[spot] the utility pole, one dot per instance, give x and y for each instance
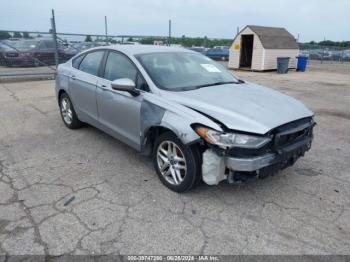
(106, 29)
(169, 37)
(54, 36)
(237, 30)
(323, 53)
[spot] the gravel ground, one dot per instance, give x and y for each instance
(82, 192)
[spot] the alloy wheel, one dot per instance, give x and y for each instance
(171, 162)
(66, 110)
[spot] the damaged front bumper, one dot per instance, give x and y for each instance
(216, 168)
(284, 157)
(238, 165)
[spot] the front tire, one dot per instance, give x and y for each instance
(177, 165)
(69, 117)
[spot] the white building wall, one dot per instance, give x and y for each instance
(233, 61)
(270, 61)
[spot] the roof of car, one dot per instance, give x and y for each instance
(144, 49)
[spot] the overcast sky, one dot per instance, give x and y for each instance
(312, 19)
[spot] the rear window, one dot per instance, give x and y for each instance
(49, 44)
(25, 44)
(91, 62)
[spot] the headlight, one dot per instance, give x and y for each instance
(224, 140)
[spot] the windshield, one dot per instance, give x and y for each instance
(180, 71)
(26, 44)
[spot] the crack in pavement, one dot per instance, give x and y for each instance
(37, 236)
(12, 94)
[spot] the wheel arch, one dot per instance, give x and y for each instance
(150, 136)
(60, 92)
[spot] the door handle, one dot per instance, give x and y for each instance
(73, 77)
(103, 87)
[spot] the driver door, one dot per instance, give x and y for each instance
(119, 111)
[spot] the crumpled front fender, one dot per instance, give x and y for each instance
(157, 112)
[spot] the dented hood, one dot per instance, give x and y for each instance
(246, 107)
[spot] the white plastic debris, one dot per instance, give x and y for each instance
(213, 168)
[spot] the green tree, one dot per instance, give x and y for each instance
(205, 41)
(17, 35)
(4, 35)
(88, 38)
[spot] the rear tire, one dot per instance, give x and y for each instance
(177, 165)
(69, 117)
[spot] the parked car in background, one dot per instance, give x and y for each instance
(337, 55)
(305, 53)
(346, 56)
(196, 119)
(130, 43)
(5, 47)
(36, 52)
(218, 53)
(198, 49)
(315, 55)
(76, 48)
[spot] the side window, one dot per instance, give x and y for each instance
(118, 66)
(91, 62)
(76, 61)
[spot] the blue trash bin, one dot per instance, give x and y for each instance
(302, 62)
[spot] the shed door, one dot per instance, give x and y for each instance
(246, 51)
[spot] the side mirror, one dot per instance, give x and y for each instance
(125, 84)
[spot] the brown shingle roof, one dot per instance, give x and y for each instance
(274, 37)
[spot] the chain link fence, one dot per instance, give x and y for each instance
(326, 53)
(40, 53)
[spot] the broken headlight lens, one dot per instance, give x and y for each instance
(224, 140)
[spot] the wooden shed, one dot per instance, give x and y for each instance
(257, 48)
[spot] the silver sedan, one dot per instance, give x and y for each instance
(197, 120)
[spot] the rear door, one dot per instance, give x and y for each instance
(119, 111)
(82, 84)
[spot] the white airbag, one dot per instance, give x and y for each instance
(213, 168)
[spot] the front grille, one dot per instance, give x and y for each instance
(292, 132)
(249, 152)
